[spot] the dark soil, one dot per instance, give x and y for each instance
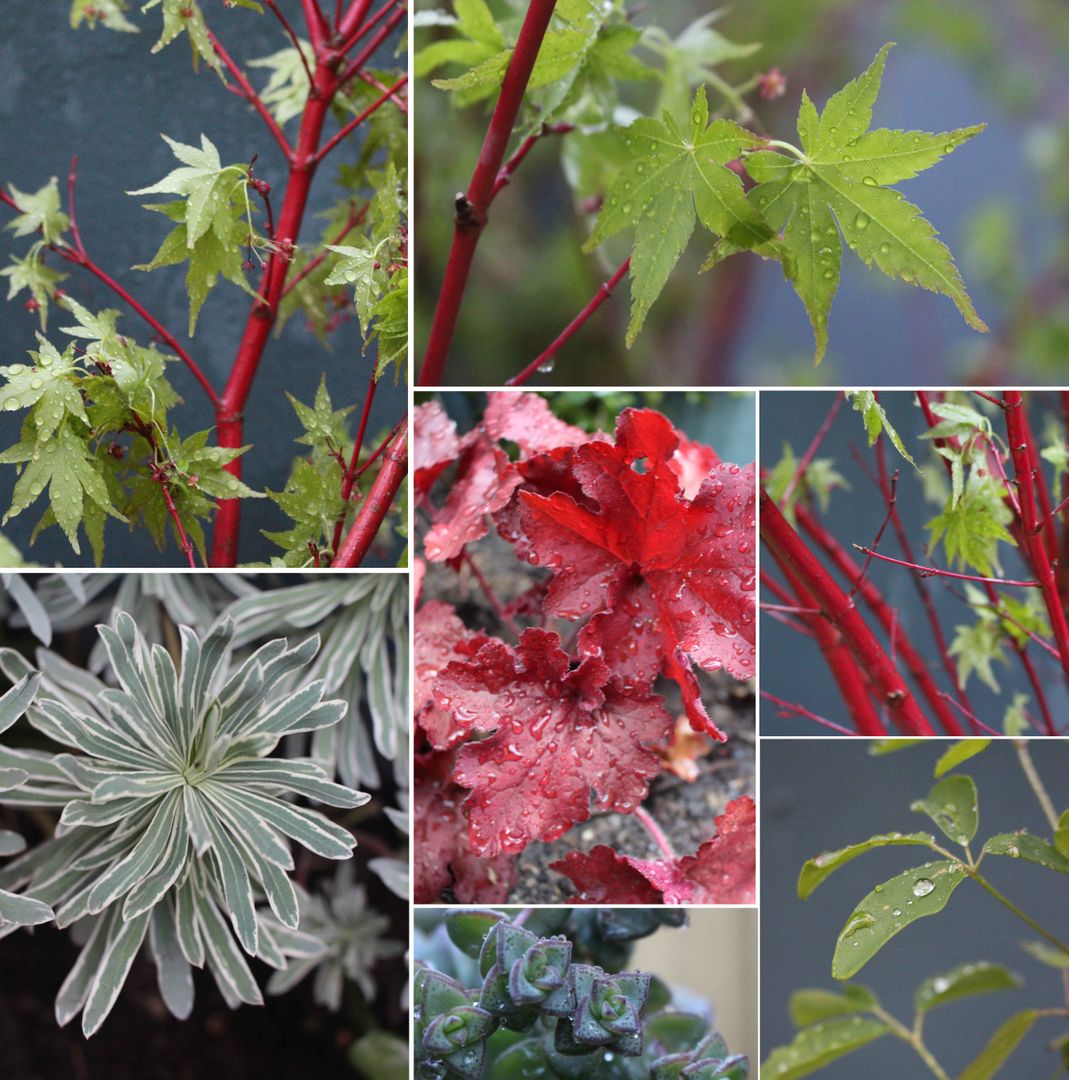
(685, 811)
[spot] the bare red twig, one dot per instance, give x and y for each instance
(811, 451)
(935, 571)
(349, 477)
(504, 176)
(377, 504)
(400, 102)
(369, 49)
(800, 710)
(176, 519)
(251, 96)
(356, 17)
(273, 7)
(318, 29)
(504, 618)
(472, 209)
(353, 124)
(547, 357)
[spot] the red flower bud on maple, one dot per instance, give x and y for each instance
(32, 304)
(772, 84)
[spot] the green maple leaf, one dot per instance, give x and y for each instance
(479, 38)
(287, 86)
(185, 16)
(837, 183)
(390, 328)
(49, 387)
(203, 467)
(107, 13)
(672, 178)
(875, 419)
(39, 211)
(972, 526)
(322, 423)
(312, 501)
(361, 268)
(32, 273)
(66, 467)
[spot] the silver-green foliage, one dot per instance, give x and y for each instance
(174, 818)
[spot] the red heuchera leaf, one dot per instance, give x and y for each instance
(526, 420)
(439, 638)
(434, 445)
(694, 556)
(484, 484)
(441, 855)
(558, 733)
(692, 463)
(722, 871)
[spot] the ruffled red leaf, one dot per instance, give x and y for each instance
(526, 419)
(722, 871)
(557, 735)
(441, 855)
(435, 445)
(439, 637)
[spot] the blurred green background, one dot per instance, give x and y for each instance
(1001, 203)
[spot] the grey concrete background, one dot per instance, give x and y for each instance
(102, 96)
(819, 795)
(791, 665)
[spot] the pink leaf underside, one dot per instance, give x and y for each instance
(442, 858)
(696, 556)
(439, 637)
(435, 445)
(692, 463)
(722, 871)
(526, 419)
(556, 736)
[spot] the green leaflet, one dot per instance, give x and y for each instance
(963, 981)
(107, 13)
(185, 16)
(951, 804)
(972, 527)
(812, 1006)
(49, 386)
(815, 870)
(821, 1044)
(876, 422)
(39, 210)
(33, 274)
(1002, 1044)
(838, 186)
(671, 178)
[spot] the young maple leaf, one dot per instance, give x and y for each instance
(672, 577)
(38, 211)
(722, 871)
(439, 637)
(557, 734)
(185, 16)
(838, 183)
(672, 178)
(442, 858)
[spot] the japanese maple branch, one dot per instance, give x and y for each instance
(504, 176)
(1023, 457)
(357, 64)
(470, 218)
(935, 571)
(545, 359)
(356, 218)
(318, 28)
(800, 710)
(353, 124)
(246, 90)
(376, 505)
(777, 533)
(348, 479)
(358, 28)
(811, 451)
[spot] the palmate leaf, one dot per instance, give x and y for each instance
(838, 185)
(672, 179)
(185, 16)
(33, 274)
(108, 13)
(39, 211)
(287, 87)
(169, 782)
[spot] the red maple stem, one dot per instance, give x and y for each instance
(470, 223)
(377, 504)
(264, 311)
(657, 834)
(891, 688)
(366, 52)
(356, 218)
(353, 19)
(318, 28)
(886, 615)
(1022, 449)
(362, 29)
(356, 121)
(935, 571)
(292, 34)
(400, 102)
(801, 710)
(183, 540)
(505, 174)
(549, 355)
(811, 451)
(251, 96)
(350, 474)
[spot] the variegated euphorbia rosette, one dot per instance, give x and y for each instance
(174, 817)
(16, 910)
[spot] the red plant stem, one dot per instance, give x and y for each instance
(338, 5)
(770, 584)
(657, 834)
(370, 79)
(1021, 454)
(920, 584)
(801, 710)
(990, 397)
(789, 609)
(251, 96)
(504, 176)
(470, 224)
(368, 50)
(572, 328)
(356, 121)
(354, 17)
(183, 540)
(355, 219)
(272, 6)
(977, 724)
(854, 688)
(318, 30)
(886, 615)
(262, 315)
(893, 692)
(503, 617)
(377, 504)
(811, 450)
(350, 474)
(363, 28)
(1045, 523)
(934, 571)
(72, 215)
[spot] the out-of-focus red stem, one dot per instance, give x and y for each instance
(376, 505)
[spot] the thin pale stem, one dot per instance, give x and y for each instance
(491, 597)
(1024, 755)
(1006, 902)
(914, 1039)
(657, 834)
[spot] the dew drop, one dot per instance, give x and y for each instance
(11, 405)
(922, 887)
(862, 221)
(36, 383)
(547, 365)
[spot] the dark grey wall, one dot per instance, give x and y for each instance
(819, 795)
(791, 665)
(101, 95)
